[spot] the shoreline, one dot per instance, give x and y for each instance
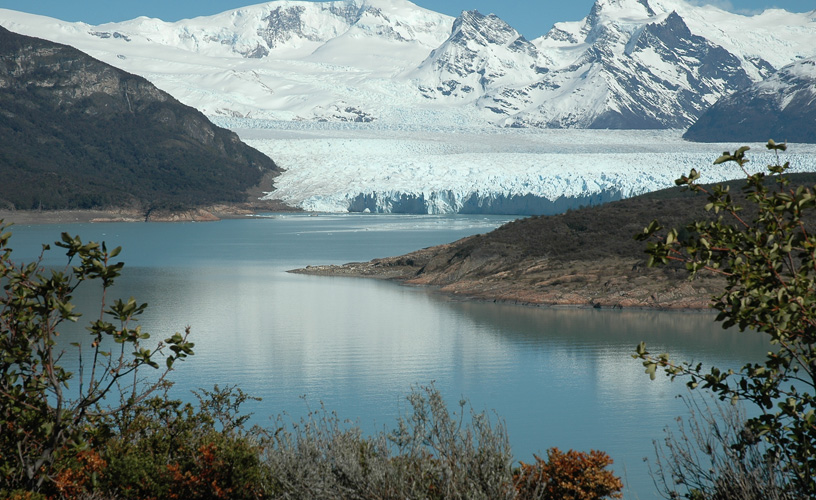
(610, 284)
(454, 296)
(468, 298)
(213, 213)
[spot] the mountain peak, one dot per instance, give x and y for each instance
(485, 30)
(621, 9)
(637, 63)
(616, 19)
(481, 53)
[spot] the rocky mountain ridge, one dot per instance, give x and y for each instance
(628, 64)
(784, 106)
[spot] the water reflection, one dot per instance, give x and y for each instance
(559, 377)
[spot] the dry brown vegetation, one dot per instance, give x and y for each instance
(585, 257)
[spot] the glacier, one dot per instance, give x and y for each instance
(382, 106)
(368, 167)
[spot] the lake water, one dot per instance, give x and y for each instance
(559, 377)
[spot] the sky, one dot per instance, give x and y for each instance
(532, 18)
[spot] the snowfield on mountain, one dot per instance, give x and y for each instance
(628, 64)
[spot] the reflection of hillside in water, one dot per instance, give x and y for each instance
(587, 346)
(689, 335)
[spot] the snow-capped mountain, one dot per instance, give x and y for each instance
(782, 107)
(628, 64)
(483, 54)
(292, 29)
(280, 60)
(653, 73)
(655, 63)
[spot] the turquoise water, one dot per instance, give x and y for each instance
(559, 377)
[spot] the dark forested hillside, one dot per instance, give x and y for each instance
(78, 133)
(782, 106)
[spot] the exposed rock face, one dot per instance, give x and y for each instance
(290, 22)
(783, 108)
(653, 73)
(691, 70)
(628, 64)
(296, 23)
(65, 76)
(79, 133)
(482, 55)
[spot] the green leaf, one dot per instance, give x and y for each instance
(724, 158)
(774, 146)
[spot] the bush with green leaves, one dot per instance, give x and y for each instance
(165, 448)
(42, 417)
(766, 251)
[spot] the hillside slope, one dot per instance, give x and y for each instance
(585, 257)
(79, 133)
(783, 105)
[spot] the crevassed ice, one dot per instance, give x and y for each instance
(370, 168)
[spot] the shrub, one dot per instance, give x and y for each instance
(573, 475)
(81, 475)
(433, 453)
(40, 420)
(164, 448)
(700, 460)
(767, 255)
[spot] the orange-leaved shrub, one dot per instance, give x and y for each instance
(81, 475)
(574, 475)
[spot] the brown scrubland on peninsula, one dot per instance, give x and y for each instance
(586, 258)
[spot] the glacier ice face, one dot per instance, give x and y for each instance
(356, 167)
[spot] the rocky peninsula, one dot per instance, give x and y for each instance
(483, 275)
(584, 258)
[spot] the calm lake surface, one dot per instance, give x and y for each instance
(559, 377)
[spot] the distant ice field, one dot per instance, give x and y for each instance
(355, 167)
